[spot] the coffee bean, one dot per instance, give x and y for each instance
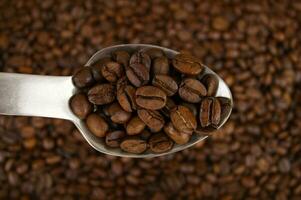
(126, 95)
(153, 119)
(215, 112)
(133, 144)
(192, 90)
(177, 136)
(135, 126)
(114, 138)
(187, 64)
(211, 83)
(160, 66)
(112, 71)
(80, 105)
(225, 107)
(141, 58)
(153, 52)
(205, 110)
(97, 125)
(170, 104)
(183, 119)
(102, 94)
(138, 74)
(83, 78)
(160, 143)
(150, 97)
(116, 113)
(96, 68)
(165, 83)
(122, 57)
(210, 112)
(121, 117)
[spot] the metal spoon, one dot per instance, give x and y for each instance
(48, 96)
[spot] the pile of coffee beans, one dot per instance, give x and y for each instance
(144, 99)
(253, 45)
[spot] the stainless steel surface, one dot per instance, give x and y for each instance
(48, 96)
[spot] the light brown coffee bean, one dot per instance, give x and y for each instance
(121, 117)
(160, 143)
(135, 126)
(177, 136)
(102, 94)
(183, 119)
(187, 64)
(83, 78)
(150, 97)
(211, 83)
(133, 144)
(165, 83)
(153, 119)
(80, 105)
(112, 71)
(97, 125)
(192, 90)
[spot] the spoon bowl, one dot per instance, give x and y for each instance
(48, 96)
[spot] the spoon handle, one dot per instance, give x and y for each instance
(35, 95)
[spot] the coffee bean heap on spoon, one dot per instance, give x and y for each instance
(144, 100)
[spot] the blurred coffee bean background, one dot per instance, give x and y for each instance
(253, 45)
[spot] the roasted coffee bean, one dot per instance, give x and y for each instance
(153, 119)
(138, 74)
(160, 143)
(215, 112)
(150, 97)
(183, 119)
(153, 52)
(102, 94)
(121, 117)
(192, 90)
(160, 66)
(170, 104)
(225, 107)
(177, 136)
(165, 83)
(133, 144)
(97, 125)
(116, 113)
(141, 58)
(96, 68)
(122, 57)
(135, 126)
(83, 78)
(114, 138)
(211, 83)
(112, 71)
(80, 105)
(187, 64)
(126, 95)
(205, 110)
